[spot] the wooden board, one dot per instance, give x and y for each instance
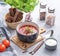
(42, 30)
(23, 45)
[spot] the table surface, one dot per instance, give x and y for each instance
(42, 51)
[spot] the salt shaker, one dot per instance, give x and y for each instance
(50, 18)
(42, 11)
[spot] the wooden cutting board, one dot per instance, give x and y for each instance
(23, 45)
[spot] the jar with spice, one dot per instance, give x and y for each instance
(50, 18)
(28, 17)
(42, 11)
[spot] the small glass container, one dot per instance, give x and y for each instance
(28, 17)
(42, 11)
(50, 18)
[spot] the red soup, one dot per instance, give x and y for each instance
(27, 30)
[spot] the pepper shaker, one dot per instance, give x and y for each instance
(42, 11)
(50, 18)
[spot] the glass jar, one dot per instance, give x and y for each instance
(50, 18)
(28, 17)
(42, 11)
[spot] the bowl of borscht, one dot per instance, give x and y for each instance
(27, 31)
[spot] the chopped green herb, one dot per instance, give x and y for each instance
(28, 30)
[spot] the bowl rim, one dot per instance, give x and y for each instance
(26, 24)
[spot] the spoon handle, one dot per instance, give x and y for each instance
(51, 33)
(5, 33)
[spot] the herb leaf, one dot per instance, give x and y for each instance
(24, 5)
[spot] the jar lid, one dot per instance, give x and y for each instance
(51, 10)
(43, 5)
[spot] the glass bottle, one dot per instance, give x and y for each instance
(42, 11)
(50, 18)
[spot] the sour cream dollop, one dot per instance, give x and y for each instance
(51, 42)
